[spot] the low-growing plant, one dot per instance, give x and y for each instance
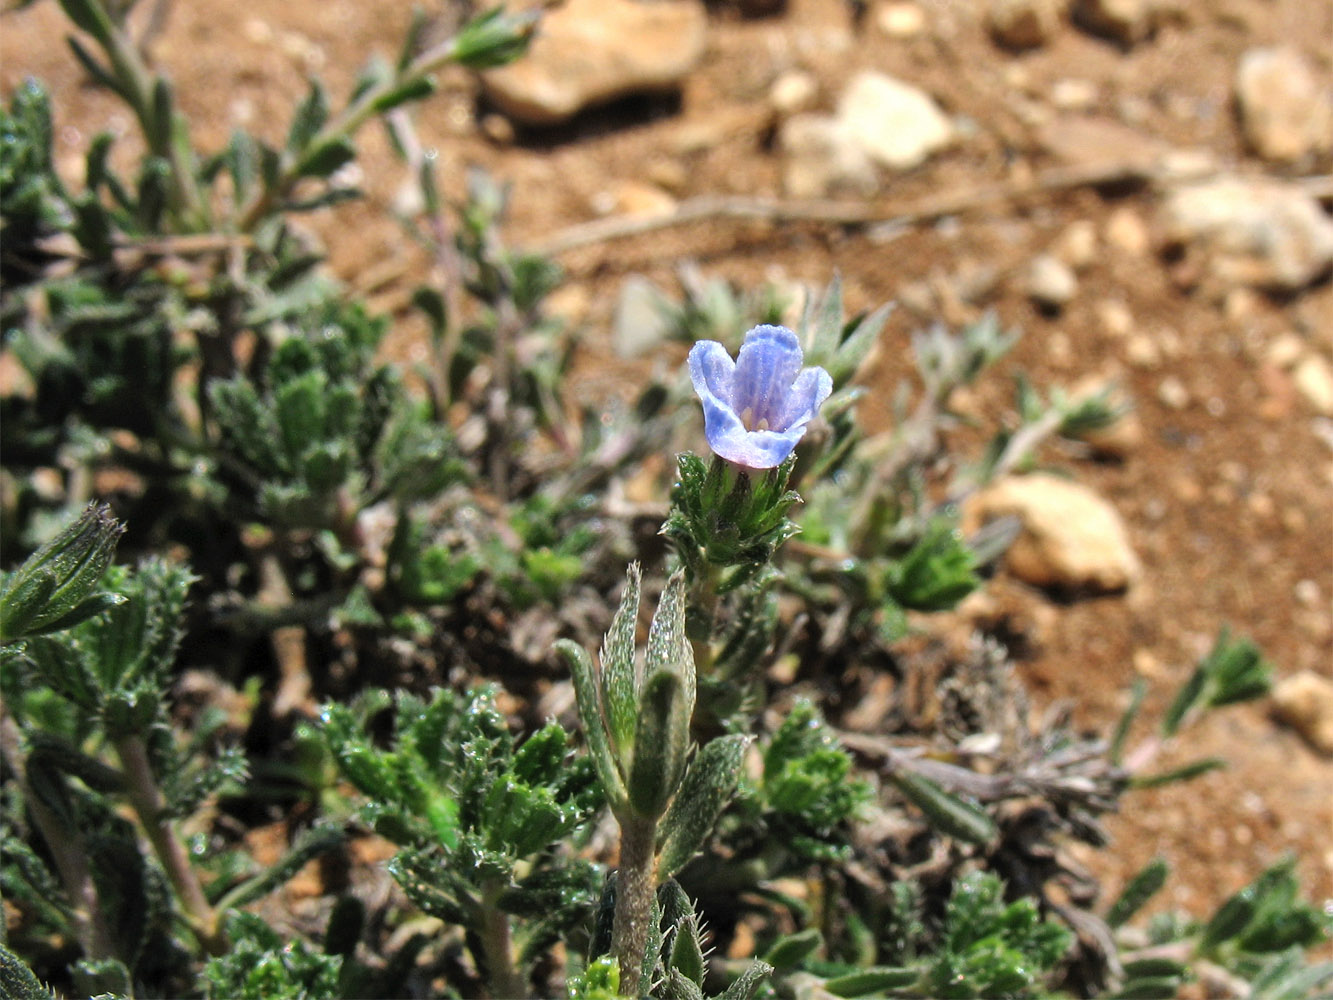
(404, 615)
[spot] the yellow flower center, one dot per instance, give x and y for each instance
(747, 419)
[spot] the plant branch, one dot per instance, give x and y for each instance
(847, 213)
(67, 851)
(150, 805)
(503, 978)
(636, 882)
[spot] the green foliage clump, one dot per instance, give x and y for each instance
(808, 784)
(990, 948)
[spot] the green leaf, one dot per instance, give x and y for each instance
(659, 754)
(708, 786)
(60, 576)
(311, 844)
(1116, 750)
(90, 16)
(947, 813)
(413, 90)
(1230, 920)
(1186, 772)
(495, 38)
(864, 982)
(18, 981)
(1141, 888)
(687, 954)
(1234, 670)
(789, 951)
(594, 728)
(309, 118)
(1150, 988)
(937, 573)
(620, 684)
(161, 117)
(328, 157)
(748, 982)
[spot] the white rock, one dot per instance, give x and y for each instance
(641, 199)
(1304, 702)
(1049, 281)
(899, 125)
(822, 157)
(1284, 113)
(1071, 538)
(590, 51)
(1077, 244)
(1073, 94)
(900, 20)
(793, 92)
(1314, 379)
(1127, 232)
(640, 322)
(1255, 232)
(1172, 392)
(1123, 21)
(1024, 24)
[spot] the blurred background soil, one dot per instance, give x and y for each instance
(1226, 486)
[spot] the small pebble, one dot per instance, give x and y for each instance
(1050, 282)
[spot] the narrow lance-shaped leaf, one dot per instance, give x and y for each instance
(59, 576)
(1140, 889)
(865, 982)
(620, 686)
(707, 788)
(658, 757)
(594, 729)
(791, 950)
(947, 813)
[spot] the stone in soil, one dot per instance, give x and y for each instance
(1285, 114)
(640, 324)
(1072, 539)
(592, 51)
(1024, 24)
(1258, 232)
(900, 126)
(1124, 21)
(1050, 282)
(823, 157)
(1304, 702)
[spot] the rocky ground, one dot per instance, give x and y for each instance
(1142, 186)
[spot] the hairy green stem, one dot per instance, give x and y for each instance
(636, 882)
(150, 805)
(503, 977)
(67, 851)
(171, 142)
(341, 126)
(702, 617)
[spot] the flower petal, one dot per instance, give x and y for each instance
(767, 365)
(807, 395)
(751, 449)
(712, 371)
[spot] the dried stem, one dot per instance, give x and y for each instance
(845, 213)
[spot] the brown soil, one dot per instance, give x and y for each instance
(1226, 496)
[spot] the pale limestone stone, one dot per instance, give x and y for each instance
(1304, 702)
(1071, 538)
(1254, 231)
(899, 125)
(1285, 114)
(591, 51)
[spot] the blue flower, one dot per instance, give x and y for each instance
(756, 408)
